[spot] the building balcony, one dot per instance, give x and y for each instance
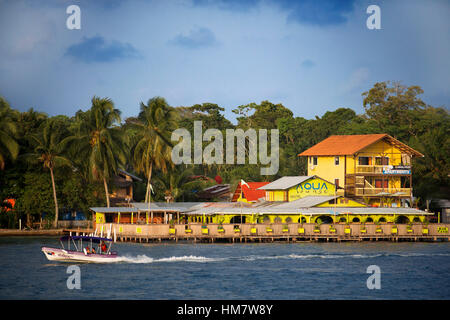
(383, 170)
(382, 192)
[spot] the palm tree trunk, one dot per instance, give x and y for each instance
(55, 222)
(147, 195)
(106, 192)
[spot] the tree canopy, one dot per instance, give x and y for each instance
(98, 143)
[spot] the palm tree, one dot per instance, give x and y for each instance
(99, 141)
(176, 183)
(48, 150)
(9, 148)
(153, 147)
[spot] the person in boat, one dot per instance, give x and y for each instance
(103, 247)
(93, 250)
(88, 250)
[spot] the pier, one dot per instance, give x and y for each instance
(295, 232)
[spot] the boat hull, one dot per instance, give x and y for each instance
(54, 254)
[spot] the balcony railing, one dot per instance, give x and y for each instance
(398, 192)
(383, 169)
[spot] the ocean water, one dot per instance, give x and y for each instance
(231, 271)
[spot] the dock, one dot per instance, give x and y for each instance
(261, 233)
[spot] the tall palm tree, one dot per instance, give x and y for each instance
(48, 150)
(100, 141)
(9, 148)
(153, 146)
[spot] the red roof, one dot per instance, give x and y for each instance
(351, 144)
(252, 193)
(9, 204)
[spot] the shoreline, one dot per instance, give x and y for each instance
(17, 232)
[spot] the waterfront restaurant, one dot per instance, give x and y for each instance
(302, 199)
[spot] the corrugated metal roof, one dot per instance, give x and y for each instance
(285, 182)
(166, 206)
(129, 174)
(113, 209)
(209, 208)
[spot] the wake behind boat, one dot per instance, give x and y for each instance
(84, 249)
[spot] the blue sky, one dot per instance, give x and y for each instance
(311, 56)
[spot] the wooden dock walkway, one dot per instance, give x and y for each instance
(295, 232)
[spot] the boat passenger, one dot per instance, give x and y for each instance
(104, 247)
(93, 250)
(88, 250)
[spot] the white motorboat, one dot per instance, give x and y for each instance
(83, 249)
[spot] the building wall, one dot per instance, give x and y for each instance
(383, 148)
(327, 169)
(311, 187)
(100, 218)
(341, 202)
(308, 218)
(276, 195)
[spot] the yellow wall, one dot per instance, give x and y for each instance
(297, 218)
(242, 199)
(311, 187)
(277, 195)
(341, 202)
(382, 148)
(327, 169)
(351, 164)
(99, 217)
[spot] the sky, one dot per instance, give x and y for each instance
(311, 56)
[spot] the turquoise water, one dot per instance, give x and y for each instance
(231, 271)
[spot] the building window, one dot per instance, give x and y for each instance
(381, 161)
(364, 161)
(336, 161)
(379, 183)
(315, 161)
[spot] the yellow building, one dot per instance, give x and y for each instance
(291, 188)
(375, 168)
